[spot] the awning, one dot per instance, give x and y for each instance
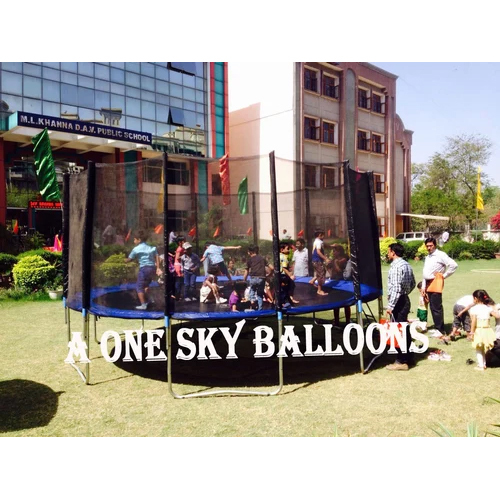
(421, 216)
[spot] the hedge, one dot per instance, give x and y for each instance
(115, 271)
(33, 273)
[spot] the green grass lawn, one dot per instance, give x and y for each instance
(40, 395)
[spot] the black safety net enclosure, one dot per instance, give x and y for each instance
(363, 234)
(201, 231)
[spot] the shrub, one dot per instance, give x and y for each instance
(421, 252)
(455, 247)
(484, 249)
(34, 241)
(465, 256)
(7, 262)
(411, 249)
(33, 273)
(384, 246)
(116, 271)
(18, 294)
(53, 258)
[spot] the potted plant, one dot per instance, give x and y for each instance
(55, 290)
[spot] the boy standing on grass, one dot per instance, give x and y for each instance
(149, 266)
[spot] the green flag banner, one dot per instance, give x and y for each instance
(243, 196)
(44, 167)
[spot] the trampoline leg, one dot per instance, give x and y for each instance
(95, 330)
(86, 338)
(359, 314)
(68, 323)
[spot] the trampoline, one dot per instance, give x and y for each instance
(120, 301)
(127, 197)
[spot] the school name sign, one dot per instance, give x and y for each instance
(199, 342)
(82, 128)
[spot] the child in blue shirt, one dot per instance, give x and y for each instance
(149, 266)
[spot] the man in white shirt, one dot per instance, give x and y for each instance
(437, 267)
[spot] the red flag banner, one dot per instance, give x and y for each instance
(224, 177)
(128, 235)
(192, 232)
(159, 228)
(217, 232)
(15, 227)
(249, 231)
(300, 234)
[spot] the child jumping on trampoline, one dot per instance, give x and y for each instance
(149, 266)
(256, 269)
(214, 255)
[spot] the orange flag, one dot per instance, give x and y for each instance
(300, 234)
(217, 232)
(159, 228)
(192, 232)
(128, 235)
(15, 229)
(249, 231)
(224, 177)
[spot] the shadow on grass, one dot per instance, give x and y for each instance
(247, 370)
(25, 404)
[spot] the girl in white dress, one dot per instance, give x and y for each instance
(481, 331)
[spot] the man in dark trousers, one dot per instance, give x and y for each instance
(437, 267)
(400, 283)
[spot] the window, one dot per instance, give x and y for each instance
(216, 185)
(378, 104)
(151, 173)
(381, 227)
(378, 180)
(328, 132)
(378, 145)
(310, 80)
(183, 67)
(363, 98)
(330, 86)
(176, 117)
(177, 173)
(311, 128)
(363, 140)
(178, 220)
(310, 176)
(329, 178)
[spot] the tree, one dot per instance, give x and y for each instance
(495, 221)
(447, 184)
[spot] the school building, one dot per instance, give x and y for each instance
(322, 113)
(110, 112)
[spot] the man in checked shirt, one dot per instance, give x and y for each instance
(437, 267)
(400, 283)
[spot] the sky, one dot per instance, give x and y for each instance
(437, 100)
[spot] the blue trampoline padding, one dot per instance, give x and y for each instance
(368, 294)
